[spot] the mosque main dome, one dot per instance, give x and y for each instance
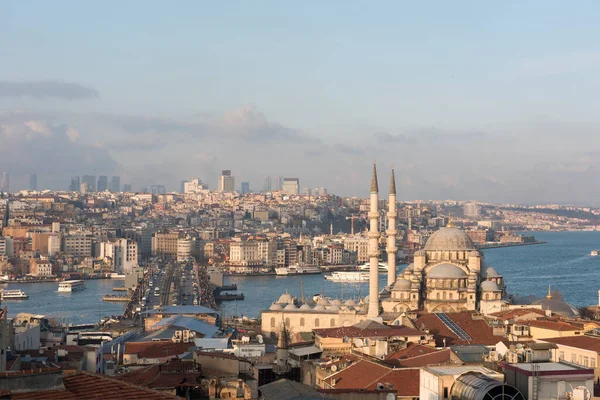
(449, 239)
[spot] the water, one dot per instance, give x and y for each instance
(563, 262)
(77, 307)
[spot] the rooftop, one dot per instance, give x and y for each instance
(580, 342)
(367, 329)
(479, 331)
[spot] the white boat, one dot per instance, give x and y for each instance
(383, 267)
(348, 276)
(298, 270)
(14, 295)
(71, 286)
(595, 253)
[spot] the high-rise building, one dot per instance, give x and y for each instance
(195, 186)
(33, 182)
(182, 190)
(90, 180)
(102, 183)
(267, 184)
(279, 183)
(226, 181)
(5, 183)
(291, 186)
(245, 187)
(127, 187)
(115, 184)
(75, 185)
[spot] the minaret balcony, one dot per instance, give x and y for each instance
(374, 215)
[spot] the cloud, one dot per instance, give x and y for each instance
(47, 89)
(387, 138)
(349, 149)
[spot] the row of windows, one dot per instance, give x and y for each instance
(303, 322)
(579, 359)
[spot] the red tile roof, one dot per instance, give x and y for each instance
(366, 375)
(89, 386)
(173, 374)
(479, 331)
(517, 313)
(413, 350)
(439, 357)
(156, 349)
(580, 342)
(554, 325)
(372, 329)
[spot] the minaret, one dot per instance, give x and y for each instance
(374, 248)
(391, 232)
(282, 347)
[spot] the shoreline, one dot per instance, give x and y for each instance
(503, 245)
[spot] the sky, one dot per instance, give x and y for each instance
(468, 100)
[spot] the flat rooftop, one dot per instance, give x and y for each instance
(460, 369)
(547, 366)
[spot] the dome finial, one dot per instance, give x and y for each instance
(374, 186)
(549, 295)
(450, 223)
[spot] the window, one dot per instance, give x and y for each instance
(574, 358)
(592, 363)
(301, 321)
(437, 295)
(450, 296)
(287, 322)
(561, 355)
(585, 361)
(445, 392)
(273, 322)
(332, 323)
(316, 322)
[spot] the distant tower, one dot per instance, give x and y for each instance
(4, 185)
(267, 184)
(115, 184)
(33, 182)
(245, 188)
(374, 248)
(391, 232)
(102, 183)
(282, 348)
(226, 181)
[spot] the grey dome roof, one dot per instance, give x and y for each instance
(336, 302)
(290, 307)
(275, 307)
(323, 301)
(449, 239)
(558, 307)
(446, 270)
(334, 308)
(350, 302)
(305, 307)
(286, 298)
(319, 308)
(401, 284)
(489, 272)
(489, 286)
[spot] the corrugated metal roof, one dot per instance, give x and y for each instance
(212, 343)
(190, 323)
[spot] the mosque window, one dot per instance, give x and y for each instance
(273, 322)
(332, 323)
(487, 296)
(444, 296)
(301, 321)
(317, 322)
(287, 322)
(450, 296)
(437, 296)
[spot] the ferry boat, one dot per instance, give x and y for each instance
(71, 286)
(348, 277)
(595, 253)
(298, 270)
(14, 295)
(383, 267)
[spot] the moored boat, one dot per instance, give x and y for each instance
(383, 267)
(298, 270)
(348, 277)
(14, 295)
(595, 253)
(71, 286)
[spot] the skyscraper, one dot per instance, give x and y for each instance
(267, 184)
(115, 184)
(291, 185)
(226, 181)
(127, 187)
(33, 182)
(245, 188)
(4, 185)
(279, 183)
(102, 183)
(90, 180)
(75, 185)
(182, 190)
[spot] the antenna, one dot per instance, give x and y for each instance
(302, 290)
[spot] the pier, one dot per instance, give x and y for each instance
(116, 297)
(120, 289)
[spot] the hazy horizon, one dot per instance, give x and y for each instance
(469, 101)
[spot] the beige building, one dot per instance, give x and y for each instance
(358, 245)
(78, 245)
(40, 268)
(165, 244)
(580, 350)
(448, 275)
(552, 329)
(226, 181)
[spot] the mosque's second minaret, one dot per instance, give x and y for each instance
(391, 248)
(373, 311)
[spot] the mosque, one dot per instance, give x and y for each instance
(449, 274)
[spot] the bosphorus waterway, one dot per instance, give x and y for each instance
(563, 262)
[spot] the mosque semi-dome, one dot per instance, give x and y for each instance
(449, 239)
(305, 307)
(446, 270)
(275, 307)
(290, 307)
(402, 284)
(490, 286)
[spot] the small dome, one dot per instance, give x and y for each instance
(336, 302)
(489, 272)
(275, 307)
(285, 298)
(489, 286)
(474, 253)
(305, 307)
(558, 307)
(446, 270)
(402, 284)
(334, 308)
(449, 239)
(319, 307)
(323, 302)
(414, 286)
(350, 302)
(290, 307)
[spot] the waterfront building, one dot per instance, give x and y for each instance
(121, 255)
(165, 244)
(358, 245)
(40, 268)
(226, 181)
(291, 186)
(78, 245)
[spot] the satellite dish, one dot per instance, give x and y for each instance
(390, 396)
(333, 368)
